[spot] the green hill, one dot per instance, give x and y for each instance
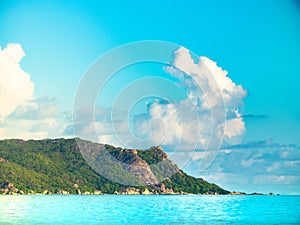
(58, 164)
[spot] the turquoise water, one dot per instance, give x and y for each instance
(161, 209)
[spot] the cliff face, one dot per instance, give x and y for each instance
(135, 165)
(59, 164)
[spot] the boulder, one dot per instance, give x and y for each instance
(64, 192)
(10, 185)
(7, 184)
(256, 193)
(97, 192)
(134, 151)
(146, 192)
(46, 192)
(163, 187)
(130, 191)
(2, 160)
(5, 191)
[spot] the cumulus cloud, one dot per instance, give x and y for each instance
(15, 85)
(234, 127)
(162, 123)
(210, 78)
(213, 102)
(21, 114)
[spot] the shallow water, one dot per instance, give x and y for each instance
(159, 209)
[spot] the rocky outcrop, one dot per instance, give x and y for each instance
(129, 162)
(237, 193)
(165, 190)
(78, 191)
(47, 192)
(134, 151)
(97, 192)
(140, 169)
(3, 160)
(62, 192)
(146, 192)
(8, 188)
(130, 191)
(256, 193)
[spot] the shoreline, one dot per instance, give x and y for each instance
(183, 194)
(10, 189)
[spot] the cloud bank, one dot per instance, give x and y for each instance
(263, 166)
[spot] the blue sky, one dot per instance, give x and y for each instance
(257, 42)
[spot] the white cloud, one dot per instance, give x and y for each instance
(234, 127)
(16, 88)
(212, 103)
(21, 114)
(164, 126)
(247, 163)
(211, 78)
(273, 167)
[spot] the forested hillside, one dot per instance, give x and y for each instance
(57, 164)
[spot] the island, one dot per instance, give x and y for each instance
(59, 166)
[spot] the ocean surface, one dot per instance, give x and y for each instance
(159, 209)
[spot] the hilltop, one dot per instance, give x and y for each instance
(58, 166)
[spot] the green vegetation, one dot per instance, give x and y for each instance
(185, 183)
(57, 164)
(49, 164)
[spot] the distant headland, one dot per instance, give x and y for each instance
(56, 166)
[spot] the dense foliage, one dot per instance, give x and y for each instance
(49, 164)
